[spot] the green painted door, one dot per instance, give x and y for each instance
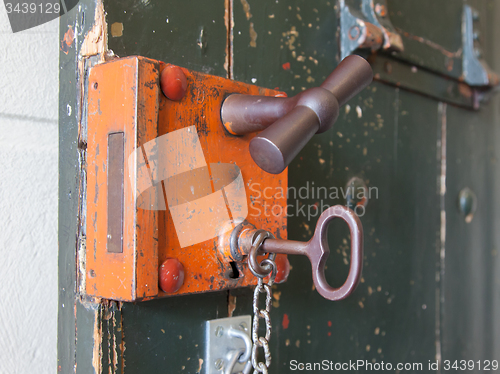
(431, 279)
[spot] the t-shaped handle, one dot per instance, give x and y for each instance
(289, 123)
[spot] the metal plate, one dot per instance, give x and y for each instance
(219, 343)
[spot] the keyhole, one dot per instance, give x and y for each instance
(234, 273)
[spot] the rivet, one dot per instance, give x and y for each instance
(354, 32)
(467, 203)
(219, 331)
(219, 364)
(173, 82)
(171, 275)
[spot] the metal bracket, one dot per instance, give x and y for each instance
(228, 345)
(475, 70)
(378, 15)
(367, 27)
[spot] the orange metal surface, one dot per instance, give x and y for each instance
(124, 96)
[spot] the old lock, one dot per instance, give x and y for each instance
(136, 194)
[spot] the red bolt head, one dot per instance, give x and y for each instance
(173, 82)
(282, 268)
(171, 275)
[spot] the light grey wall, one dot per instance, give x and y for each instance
(28, 197)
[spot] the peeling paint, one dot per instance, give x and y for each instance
(441, 146)
(97, 339)
(286, 321)
(96, 40)
(231, 304)
(117, 29)
(291, 36)
(359, 112)
(229, 22)
(253, 36)
(246, 9)
(68, 39)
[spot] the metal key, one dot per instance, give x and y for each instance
(316, 250)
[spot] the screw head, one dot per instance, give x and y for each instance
(243, 326)
(219, 364)
(354, 32)
(219, 331)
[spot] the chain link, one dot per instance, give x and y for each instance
(262, 288)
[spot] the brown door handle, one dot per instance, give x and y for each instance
(289, 123)
(316, 250)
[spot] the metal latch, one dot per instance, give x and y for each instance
(367, 27)
(228, 345)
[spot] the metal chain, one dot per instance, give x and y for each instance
(262, 288)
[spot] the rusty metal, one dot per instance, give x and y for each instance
(254, 264)
(367, 27)
(357, 31)
(243, 228)
(317, 250)
(289, 123)
(125, 96)
(378, 16)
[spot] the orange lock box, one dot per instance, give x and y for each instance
(165, 181)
